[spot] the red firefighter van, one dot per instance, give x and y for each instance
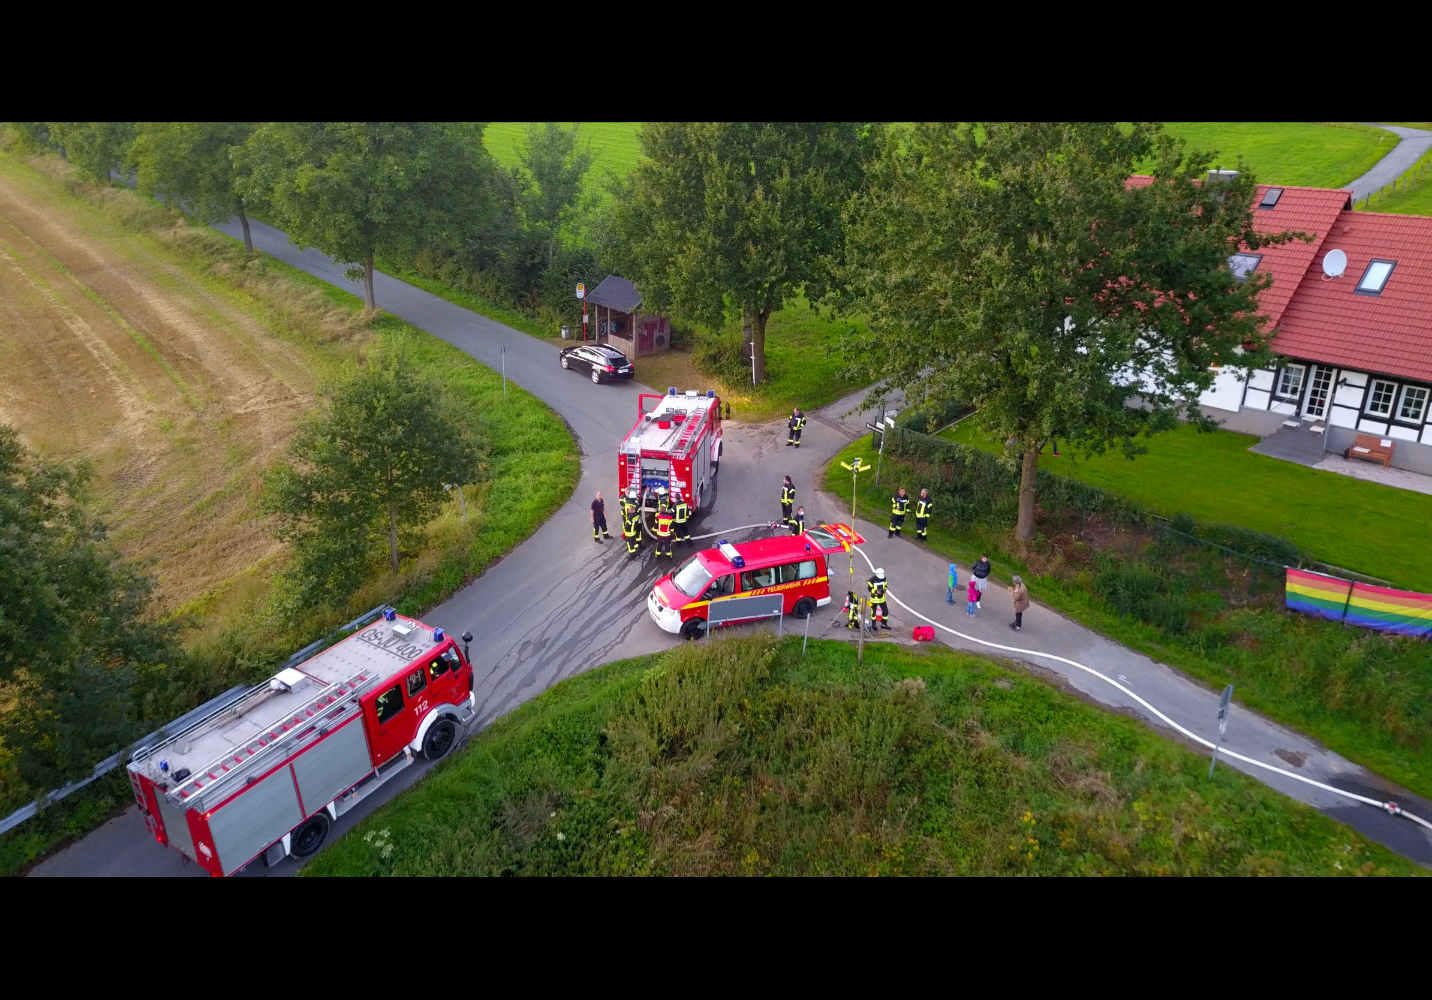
(264, 775)
(794, 566)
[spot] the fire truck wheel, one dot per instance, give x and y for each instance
(308, 837)
(440, 739)
(694, 628)
(804, 608)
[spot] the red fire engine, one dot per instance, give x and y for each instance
(266, 774)
(676, 443)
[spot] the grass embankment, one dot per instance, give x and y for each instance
(1304, 154)
(1365, 695)
(154, 350)
(1411, 195)
(1343, 521)
(741, 757)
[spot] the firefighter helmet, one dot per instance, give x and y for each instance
(880, 574)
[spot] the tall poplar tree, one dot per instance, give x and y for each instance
(1012, 266)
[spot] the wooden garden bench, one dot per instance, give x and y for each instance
(1371, 448)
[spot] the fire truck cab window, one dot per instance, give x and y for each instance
(437, 667)
(417, 680)
(389, 704)
(755, 579)
(721, 586)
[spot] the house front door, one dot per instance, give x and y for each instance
(1315, 404)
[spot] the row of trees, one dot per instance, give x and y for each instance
(355, 190)
(1009, 266)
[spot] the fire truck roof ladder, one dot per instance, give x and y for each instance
(333, 705)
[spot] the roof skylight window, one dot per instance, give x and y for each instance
(1374, 279)
(1244, 264)
(1270, 197)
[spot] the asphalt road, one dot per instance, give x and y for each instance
(559, 603)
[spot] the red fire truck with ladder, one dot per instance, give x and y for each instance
(676, 443)
(265, 775)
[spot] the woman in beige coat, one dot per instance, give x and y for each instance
(1021, 603)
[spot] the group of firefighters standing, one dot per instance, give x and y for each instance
(672, 524)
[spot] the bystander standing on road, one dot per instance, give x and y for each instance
(972, 598)
(1021, 602)
(599, 519)
(954, 582)
(980, 572)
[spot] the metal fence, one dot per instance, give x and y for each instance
(118, 758)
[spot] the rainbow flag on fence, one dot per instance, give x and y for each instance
(1315, 594)
(1403, 612)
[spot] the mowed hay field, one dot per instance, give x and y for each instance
(172, 385)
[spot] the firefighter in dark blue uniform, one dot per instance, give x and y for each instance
(879, 612)
(788, 499)
(899, 505)
(794, 426)
(681, 512)
(923, 506)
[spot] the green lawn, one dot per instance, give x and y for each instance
(1347, 522)
(742, 757)
(1307, 154)
(615, 149)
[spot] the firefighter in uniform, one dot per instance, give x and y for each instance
(681, 511)
(922, 516)
(794, 426)
(788, 499)
(899, 504)
(797, 523)
(665, 522)
(852, 610)
(878, 610)
(631, 523)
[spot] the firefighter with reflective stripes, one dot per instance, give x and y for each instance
(665, 523)
(681, 512)
(923, 506)
(797, 523)
(794, 426)
(788, 499)
(851, 607)
(878, 610)
(899, 506)
(631, 523)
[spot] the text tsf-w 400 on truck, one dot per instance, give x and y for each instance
(676, 443)
(266, 774)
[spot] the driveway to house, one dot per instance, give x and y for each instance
(1415, 142)
(559, 603)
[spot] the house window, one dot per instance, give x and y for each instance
(1270, 198)
(1380, 396)
(1244, 264)
(1414, 404)
(1374, 279)
(1290, 381)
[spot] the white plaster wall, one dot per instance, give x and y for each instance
(1257, 399)
(1226, 392)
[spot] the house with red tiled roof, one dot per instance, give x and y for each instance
(1351, 316)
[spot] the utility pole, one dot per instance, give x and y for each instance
(504, 371)
(855, 468)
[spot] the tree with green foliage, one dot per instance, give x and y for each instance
(191, 165)
(72, 631)
(1011, 267)
(95, 148)
(553, 166)
(732, 218)
(374, 461)
(358, 189)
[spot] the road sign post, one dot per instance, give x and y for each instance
(1223, 704)
(504, 371)
(582, 294)
(855, 468)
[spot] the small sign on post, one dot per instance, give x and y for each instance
(1223, 704)
(581, 290)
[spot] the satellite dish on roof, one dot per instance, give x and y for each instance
(1334, 263)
